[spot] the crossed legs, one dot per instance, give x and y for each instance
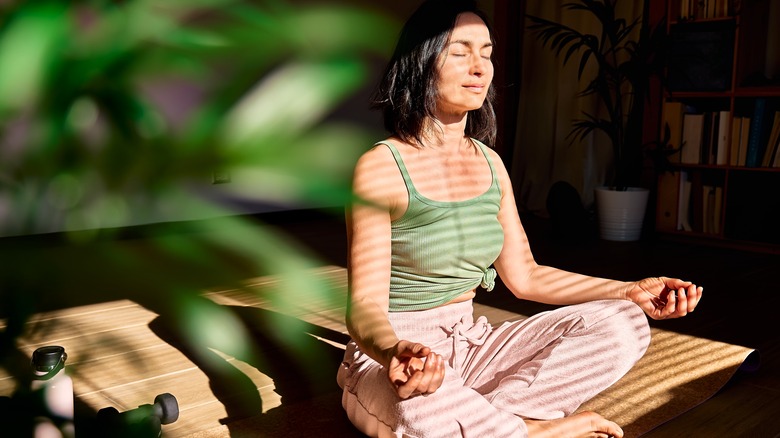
(541, 368)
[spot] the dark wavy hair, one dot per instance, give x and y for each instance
(407, 91)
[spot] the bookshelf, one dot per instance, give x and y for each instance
(722, 106)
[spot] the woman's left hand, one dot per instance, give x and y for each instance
(663, 298)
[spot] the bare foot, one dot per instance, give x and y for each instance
(582, 425)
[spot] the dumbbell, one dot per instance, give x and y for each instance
(143, 421)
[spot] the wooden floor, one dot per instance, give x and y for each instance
(739, 307)
(122, 355)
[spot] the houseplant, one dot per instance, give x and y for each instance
(115, 114)
(627, 55)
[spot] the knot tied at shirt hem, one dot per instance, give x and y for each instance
(489, 279)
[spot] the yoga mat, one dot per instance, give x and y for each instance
(677, 373)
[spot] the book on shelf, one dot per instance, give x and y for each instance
(757, 130)
(708, 208)
(718, 210)
(715, 137)
(672, 117)
(776, 154)
(703, 9)
(722, 140)
(776, 158)
(736, 134)
(743, 141)
(693, 128)
(771, 144)
(705, 137)
(712, 204)
(668, 193)
(684, 202)
(696, 209)
(685, 9)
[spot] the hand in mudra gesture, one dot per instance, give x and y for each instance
(414, 369)
(664, 298)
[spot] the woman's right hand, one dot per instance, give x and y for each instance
(414, 369)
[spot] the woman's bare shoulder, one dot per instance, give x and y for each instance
(377, 159)
(497, 160)
(377, 176)
(378, 153)
(494, 156)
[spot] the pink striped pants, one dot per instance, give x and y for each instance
(543, 367)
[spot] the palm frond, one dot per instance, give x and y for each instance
(590, 123)
(559, 38)
(626, 55)
(584, 62)
(556, 35)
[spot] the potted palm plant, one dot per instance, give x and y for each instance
(627, 54)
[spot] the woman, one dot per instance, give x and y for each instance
(438, 211)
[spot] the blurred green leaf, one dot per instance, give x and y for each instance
(290, 100)
(116, 113)
(29, 50)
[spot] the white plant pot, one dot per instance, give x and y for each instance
(621, 213)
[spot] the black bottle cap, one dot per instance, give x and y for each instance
(47, 361)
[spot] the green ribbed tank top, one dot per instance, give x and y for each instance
(442, 249)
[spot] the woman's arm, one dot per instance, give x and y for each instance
(528, 280)
(368, 234)
(412, 368)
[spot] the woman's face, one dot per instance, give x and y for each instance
(465, 68)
